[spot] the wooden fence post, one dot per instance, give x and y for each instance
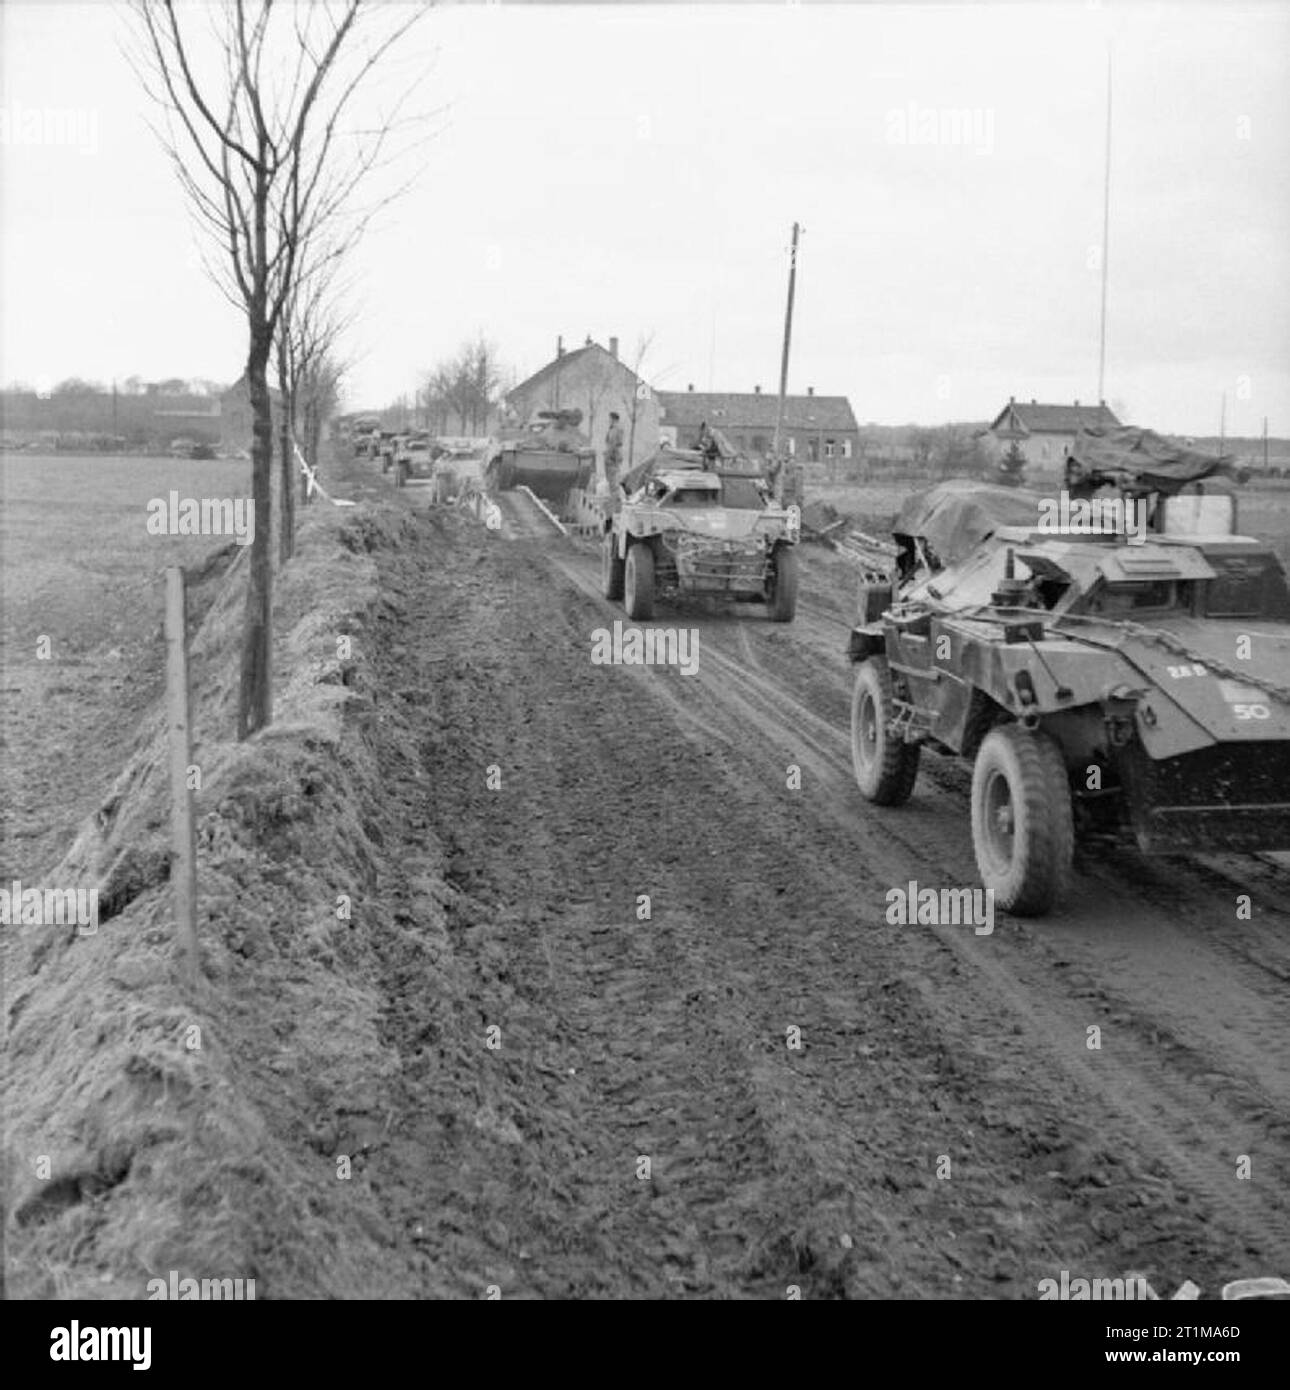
(183, 868)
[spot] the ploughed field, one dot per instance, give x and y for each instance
(80, 568)
(718, 1069)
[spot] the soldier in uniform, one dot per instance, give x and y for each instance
(613, 449)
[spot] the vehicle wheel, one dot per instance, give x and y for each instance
(885, 767)
(611, 568)
(783, 592)
(1022, 825)
(638, 581)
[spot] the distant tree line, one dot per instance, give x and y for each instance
(87, 415)
(462, 393)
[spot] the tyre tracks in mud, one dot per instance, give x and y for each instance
(1195, 1061)
(667, 1039)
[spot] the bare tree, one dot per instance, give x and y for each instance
(467, 385)
(309, 371)
(640, 393)
(256, 99)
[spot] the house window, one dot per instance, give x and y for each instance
(759, 444)
(846, 448)
(792, 446)
(813, 448)
(829, 448)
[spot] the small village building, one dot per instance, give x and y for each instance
(815, 428)
(1044, 433)
(595, 380)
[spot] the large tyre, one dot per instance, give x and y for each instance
(638, 581)
(612, 568)
(783, 591)
(886, 768)
(1022, 824)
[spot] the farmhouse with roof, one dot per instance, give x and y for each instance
(815, 427)
(1043, 433)
(592, 379)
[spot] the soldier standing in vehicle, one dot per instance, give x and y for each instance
(613, 449)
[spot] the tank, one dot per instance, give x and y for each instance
(550, 456)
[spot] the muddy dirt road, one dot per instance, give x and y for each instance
(762, 1083)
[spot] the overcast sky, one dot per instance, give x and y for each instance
(628, 170)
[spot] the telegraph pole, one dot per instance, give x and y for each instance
(1106, 235)
(788, 337)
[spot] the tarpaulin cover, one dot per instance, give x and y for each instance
(1138, 461)
(956, 516)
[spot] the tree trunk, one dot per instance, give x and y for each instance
(287, 529)
(255, 696)
(312, 458)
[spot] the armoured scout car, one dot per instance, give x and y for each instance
(692, 523)
(1129, 681)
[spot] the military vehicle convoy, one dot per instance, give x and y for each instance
(693, 523)
(1114, 663)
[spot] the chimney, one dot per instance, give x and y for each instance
(1077, 403)
(1033, 401)
(559, 347)
(690, 387)
(1012, 400)
(613, 348)
(588, 342)
(756, 390)
(810, 390)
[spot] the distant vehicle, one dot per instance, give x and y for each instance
(191, 449)
(382, 446)
(412, 457)
(459, 463)
(1095, 679)
(362, 432)
(701, 523)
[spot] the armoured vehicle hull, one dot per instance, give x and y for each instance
(551, 458)
(687, 525)
(1130, 683)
